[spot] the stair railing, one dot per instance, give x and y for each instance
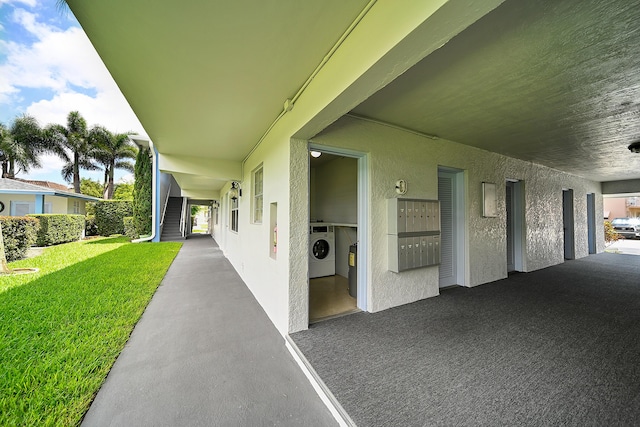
(164, 208)
(183, 218)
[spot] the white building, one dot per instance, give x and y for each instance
(515, 115)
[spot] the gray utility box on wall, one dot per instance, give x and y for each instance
(413, 233)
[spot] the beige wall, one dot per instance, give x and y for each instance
(59, 205)
(7, 198)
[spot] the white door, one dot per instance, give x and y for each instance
(515, 223)
(450, 191)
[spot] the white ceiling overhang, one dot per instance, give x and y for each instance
(552, 82)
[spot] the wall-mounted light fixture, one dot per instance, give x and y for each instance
(235, 190)
(401, 186)
(316, 154)
(634, 147)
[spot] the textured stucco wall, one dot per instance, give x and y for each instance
(249, 250)
(298, 236)
(396, 154)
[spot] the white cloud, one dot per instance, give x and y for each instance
(50, 170)
(59, 61)
(105, 109)
(31, 3)
(126, 179)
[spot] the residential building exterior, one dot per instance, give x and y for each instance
(20, 198)
(470, 104)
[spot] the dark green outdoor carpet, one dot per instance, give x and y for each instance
(559, 346)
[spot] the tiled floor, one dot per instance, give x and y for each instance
(329, 297)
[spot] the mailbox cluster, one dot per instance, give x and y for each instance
(413, 233)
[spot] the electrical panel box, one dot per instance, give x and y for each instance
(413, 233)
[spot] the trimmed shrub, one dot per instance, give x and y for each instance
(90, 227)
(109, 215)
(19, 233)
(142, 204)
(130, 227)
(59, 228)
(90, 208)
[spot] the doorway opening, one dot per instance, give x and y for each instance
(452, 226)
(337, 232)
(515, 225)
(591, 222)
(568, 224)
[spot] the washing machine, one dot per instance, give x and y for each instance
(322, 254)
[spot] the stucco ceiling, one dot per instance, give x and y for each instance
(553, 82)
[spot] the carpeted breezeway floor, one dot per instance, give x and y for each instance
(559, 346)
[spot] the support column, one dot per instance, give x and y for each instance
(39, 204)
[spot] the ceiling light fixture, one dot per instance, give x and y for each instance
(316, 154)
(634, 147)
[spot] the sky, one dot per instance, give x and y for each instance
(49, 68)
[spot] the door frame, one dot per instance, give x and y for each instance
(459, 223)
(517, 222)
(591, 222)
(364, 232)
(568, 224)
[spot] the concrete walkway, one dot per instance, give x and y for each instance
(205, 354)
(625, 246)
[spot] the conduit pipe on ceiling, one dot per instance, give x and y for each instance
(387, 124)
(289, 103)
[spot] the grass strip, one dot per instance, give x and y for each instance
(62, 328)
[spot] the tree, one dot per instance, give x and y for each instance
(123, 191)
(142, 193)
(21, 146)
(90, 187)
(113, 151)
(71, 143)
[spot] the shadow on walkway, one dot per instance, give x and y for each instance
(204, 353)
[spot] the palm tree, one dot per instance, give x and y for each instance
(113, 151)
(21, 146)
(73, 139)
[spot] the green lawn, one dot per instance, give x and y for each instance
(62, 328)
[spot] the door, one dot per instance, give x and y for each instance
(568, 221)
(450, 195)
(515, 225)
(591, 222)
(511, 266)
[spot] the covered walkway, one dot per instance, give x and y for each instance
(558, 346)
(205, 354)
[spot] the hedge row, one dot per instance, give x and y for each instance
(130, 227)
(90, 227)
(19, 233)
(59, 228)
(109, 216)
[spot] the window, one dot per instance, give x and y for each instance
(76, 206)
(257, 185)
(19, 208)
(234, 215)
(22, 208)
